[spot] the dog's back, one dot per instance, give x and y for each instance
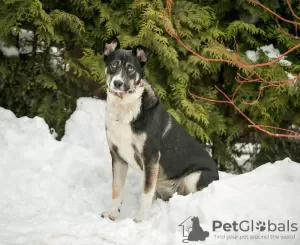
(182, 159)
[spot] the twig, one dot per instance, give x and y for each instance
(239, 62)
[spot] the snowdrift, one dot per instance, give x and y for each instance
(53, 192)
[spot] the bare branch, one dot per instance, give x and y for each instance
(273, 13)
(241, 63)
(291, 9)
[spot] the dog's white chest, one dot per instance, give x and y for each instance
(120, 134)
(127, 143)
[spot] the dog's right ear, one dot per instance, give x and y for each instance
(110, 46)
(142, 53)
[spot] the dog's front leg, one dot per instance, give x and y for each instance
(151, 169)
(119, 172)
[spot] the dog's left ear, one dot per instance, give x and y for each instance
(142, 53)
(110, 46)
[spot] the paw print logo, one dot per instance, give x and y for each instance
(261, 226)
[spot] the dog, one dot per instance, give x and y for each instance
(143, 135)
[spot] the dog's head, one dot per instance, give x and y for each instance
(124, 68)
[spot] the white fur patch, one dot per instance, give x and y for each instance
(146, 202)
(113, 211)
(191, 181)
(120, 173)
(116, 77)
(168, 126)
(120, 112)
(108, 77)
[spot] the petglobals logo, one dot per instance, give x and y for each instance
(192, 230)
(246, 225)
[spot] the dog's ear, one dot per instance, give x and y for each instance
(142, 53)
(110, 46)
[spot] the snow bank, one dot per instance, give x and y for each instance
(52, 192)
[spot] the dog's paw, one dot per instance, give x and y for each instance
(138, 219)
(112, 215)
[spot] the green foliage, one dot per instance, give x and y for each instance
(46, 77)
(59, 60)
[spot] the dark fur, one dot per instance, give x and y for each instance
(181, 154)
(167, 156)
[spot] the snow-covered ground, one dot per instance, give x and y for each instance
(51, 192)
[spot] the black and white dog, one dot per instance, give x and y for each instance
(143, 135)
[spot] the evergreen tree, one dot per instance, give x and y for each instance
(51, 55)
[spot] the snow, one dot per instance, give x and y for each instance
(290, 76)
(11, 51)
(272, 53)
(268, 50)
(52, 192)
(252, 55)
(57, 62)
(246, 151)
(26, 38)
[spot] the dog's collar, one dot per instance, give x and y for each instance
(121, 94)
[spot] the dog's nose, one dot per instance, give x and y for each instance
(118, 83)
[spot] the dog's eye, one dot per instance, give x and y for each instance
(130, 69)
(114, 64)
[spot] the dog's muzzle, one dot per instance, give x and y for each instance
(121, 94)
